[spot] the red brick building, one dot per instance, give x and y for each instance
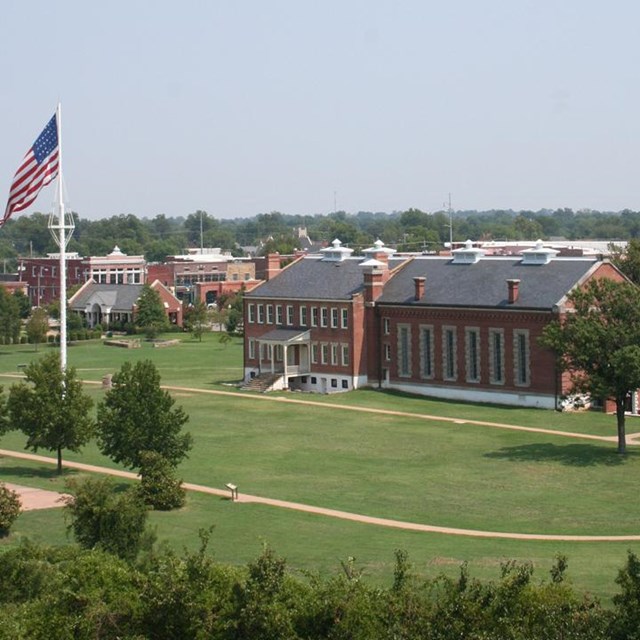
(463, 327)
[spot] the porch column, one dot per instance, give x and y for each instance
(284, 362)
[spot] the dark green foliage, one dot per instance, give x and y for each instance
(150, 316)
(103, 518)
(159, 488)
(52, 593)
(24, 304)
(626, 622)
(37, 326)
(51, 408)
(196, 319)
(10, 324)
(599, 343)
(136, 416)
(10, 507)
(72, 593)
(628, 260)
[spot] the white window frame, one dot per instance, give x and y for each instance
(290, 315)
(269, 314)
(251, 313)
(303, 316)
(260, 313)
(279, 314)
(344, 321)
(334, 317)
(324, 316)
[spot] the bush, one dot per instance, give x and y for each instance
(104, 518)
(10, 507)
(159, 488)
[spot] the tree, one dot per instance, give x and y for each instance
(10, 507)
(627, 259)
(102, 518)
(53, 410)
(150, 315)
(37, 326)
(136, 415)
(24, 304)
(159, 488)
(196, 318)
(10, 324)
(598, 343)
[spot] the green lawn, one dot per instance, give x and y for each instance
(399, 467)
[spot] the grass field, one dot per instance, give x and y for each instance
(402, 467)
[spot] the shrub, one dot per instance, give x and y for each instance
(104, 518)
(159, 488)
(10, 507)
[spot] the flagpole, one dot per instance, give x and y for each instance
(59, 230)
(63, 245)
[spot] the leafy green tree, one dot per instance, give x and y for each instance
(136, 415)
(159, 488)
(24, 304)
(598, 343)
(10, 323)
(103, 518)
(10, 507)
(628, 259)
(150, 316)
(51, 409)
(196, 319)
(37, 326)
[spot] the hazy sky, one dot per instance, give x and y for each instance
(243, 107)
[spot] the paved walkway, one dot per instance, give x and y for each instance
(244, 498)
(32, 499)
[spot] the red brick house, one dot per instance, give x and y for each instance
(462, 327)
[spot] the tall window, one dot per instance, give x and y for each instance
(303, 316)
(334, 353)
(386, 329)
(324, 317)
(334, 318)
(314, 316)
(252, 348)
(324, 353)
(269, 314)
(387, 351)
(449, 350)
(314, 352)
(345, 355)
(404, 350)
(521, 357)
(290, 314)
(345, 318)
(251, 310)
(260, 314)
(472, 354)
(496, 355)
(279, 314)
(426, 352)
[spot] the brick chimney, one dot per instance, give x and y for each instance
(418, 283)
(272, 267)
(514, 290)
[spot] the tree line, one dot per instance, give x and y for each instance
(54, 593)
(410, 230)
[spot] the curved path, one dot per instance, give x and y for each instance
(332, 513)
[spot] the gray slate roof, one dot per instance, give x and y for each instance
(313, 278)
(119, 297)
(483, 284)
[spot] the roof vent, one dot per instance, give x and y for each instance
(336, 252)
(538, 254)
(467, 254)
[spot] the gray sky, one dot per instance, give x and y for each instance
(244, 107)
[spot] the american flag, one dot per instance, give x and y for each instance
(38, 169)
